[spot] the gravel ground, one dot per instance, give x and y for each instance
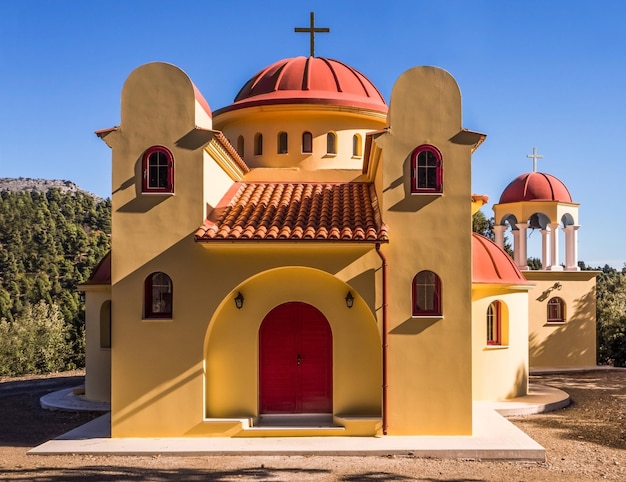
(586, 441)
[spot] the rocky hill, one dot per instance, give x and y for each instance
(26, 184)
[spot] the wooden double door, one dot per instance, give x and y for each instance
(295, 361)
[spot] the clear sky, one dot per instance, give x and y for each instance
(533, 73)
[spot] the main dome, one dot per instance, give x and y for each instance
(535, 186)
(309, 80)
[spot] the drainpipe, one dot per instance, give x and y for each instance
(384, 338)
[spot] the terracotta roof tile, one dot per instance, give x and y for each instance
(297, 211)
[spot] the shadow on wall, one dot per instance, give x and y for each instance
(520, 384)
(409, 202)
(570, 344)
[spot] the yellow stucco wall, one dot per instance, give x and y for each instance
(569, 344)
(430, 374)
(97, 359)
(157, 393)
(500, 372)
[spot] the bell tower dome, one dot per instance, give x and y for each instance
(539, 201)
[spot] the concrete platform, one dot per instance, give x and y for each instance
(494, 438)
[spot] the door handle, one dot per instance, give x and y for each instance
(299, 359)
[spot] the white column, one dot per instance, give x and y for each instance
(554, 238)
(571, 248)
(545, 252)
(516, 249)
(498, 231)
(522, 260)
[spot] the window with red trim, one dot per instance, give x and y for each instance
(158, 170)
(556, 310)
(426, 170)
(158, 292)
(494, 323)
(426, 294)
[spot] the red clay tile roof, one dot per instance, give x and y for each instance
(101, 274)
(297, 211)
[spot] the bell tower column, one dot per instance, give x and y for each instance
(554, 238)
(521, 256)
(498, 231)
(571, 248)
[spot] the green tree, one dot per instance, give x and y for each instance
(36, 342)
(49, 243)
(611, 316)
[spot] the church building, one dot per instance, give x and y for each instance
(302, 262)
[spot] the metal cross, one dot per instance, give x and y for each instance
(312, 30)
(534, 156)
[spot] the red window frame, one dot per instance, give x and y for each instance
(158, 296)
(158, 170)
(426, 170)
(494, 323)
(426, 294)
(556, 310)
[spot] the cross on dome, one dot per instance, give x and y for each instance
(534, 156)
(311, 31)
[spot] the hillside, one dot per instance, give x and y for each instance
(52, 234)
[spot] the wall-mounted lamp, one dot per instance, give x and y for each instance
(239, 300)
(349, 300)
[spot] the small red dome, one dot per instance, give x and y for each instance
(535, 186)
(309, 80)
(491, 264)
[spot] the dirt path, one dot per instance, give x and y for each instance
(584, 442)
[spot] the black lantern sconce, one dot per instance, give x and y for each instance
(349, 300)
(239, 300)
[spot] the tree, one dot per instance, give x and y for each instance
(49, 243)
(36, 342)
(611, 316)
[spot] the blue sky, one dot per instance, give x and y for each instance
(549, 74)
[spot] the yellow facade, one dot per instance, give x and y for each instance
(567, 344)
(500, 372)
(196, 373)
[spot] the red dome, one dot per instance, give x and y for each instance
(491, 264)
(535, 186)
(309, 80)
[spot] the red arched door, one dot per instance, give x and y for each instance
(295, 361)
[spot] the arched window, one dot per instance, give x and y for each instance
(426, 294)
(258, 144)
(282, 143)
(331, 143)
(556, 310)
(158, 170)
(240, 146)
(105, 324)
(158, 296)
(494, 323)
(357, 150)
(307, 143)
(426, 170)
